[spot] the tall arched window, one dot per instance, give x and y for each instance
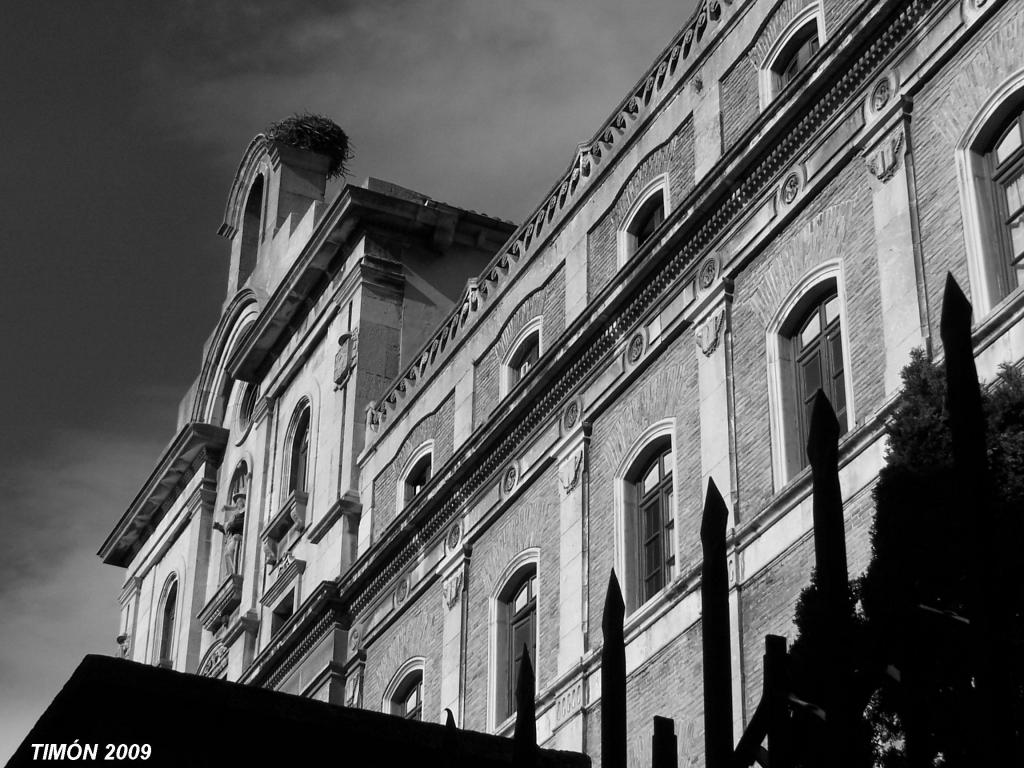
(817, 341)
(168, 614)
(990, 161)
(1006, 160)
(251, 231)
(515, 629)
(523, 354)
(806, 353)
(418, 470)
(299, 465)
(791, 52)
(647, 215)
(408, 699)
(650, 527)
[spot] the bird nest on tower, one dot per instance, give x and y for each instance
(315, 133)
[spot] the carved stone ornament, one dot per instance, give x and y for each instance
(636, 348)
(790, 188)
(452, 589)
(354, 638)
(402, 592)
(569, 477)
(707, 273)
(216, 661)
(124, 645)
(511, 477)
(354, 688)
(885, 161)
(881, 94)
(454, 536)
(571, 415)
(709, 333)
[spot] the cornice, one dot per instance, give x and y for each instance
(660, 266)
(591, 162)
(195, 444)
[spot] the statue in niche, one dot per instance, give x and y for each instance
(234, 515)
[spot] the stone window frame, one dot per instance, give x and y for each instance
(625, 240)
(497, 661)
(785, 447)
(625, 513)
(535, 326)
(982, 232)
(767, 87)
(426, 448)
(304, 407)
(413, 666)
(171, 583)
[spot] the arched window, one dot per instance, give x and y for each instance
(806, 353)
(246, 406)
(299, 467)
(817, 340)
(643, 221)
(168, 614)
(524, 352)
(791, 53)
(407, 701)
(418, 473)
(515, 628)
(251, 231)
(990, 164)
(1006, 158)
(650, 521)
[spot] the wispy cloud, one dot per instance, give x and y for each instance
(58, 600)
(468, 100)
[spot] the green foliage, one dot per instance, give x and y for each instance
(317, 134)
(918, 542)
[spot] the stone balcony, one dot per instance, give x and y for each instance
(226, 599)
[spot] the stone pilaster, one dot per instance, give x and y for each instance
(890, 173)
(453, 596)
(711, 336)
(572, 480)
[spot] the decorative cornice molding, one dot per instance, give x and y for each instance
(373, 572)
(661, 79)
(194, 444)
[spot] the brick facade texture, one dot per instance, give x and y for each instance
(676, 158)
(669, 684)
(991, 56)
(547, 302)
(667, 389)
(838, 224)
(739, 97)
(769, 598)
(439, 426)
(531, 521)
(418, 632)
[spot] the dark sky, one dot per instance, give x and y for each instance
(123, 124)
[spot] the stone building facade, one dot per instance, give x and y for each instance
(423, 437)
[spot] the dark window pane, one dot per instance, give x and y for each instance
(810, 370)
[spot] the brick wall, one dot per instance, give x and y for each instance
(668, 388)
(768, 599)
(674, 157)
(668, 685)
(532, 521)
(838, 223)
(942, 111)
(438, 426)
(418, 632)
